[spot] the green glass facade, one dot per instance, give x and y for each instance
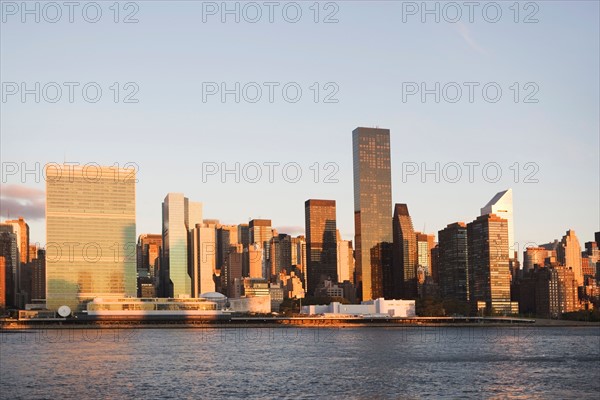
(90, 233)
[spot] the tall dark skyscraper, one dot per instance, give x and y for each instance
(453, 262)
(321, 242)
(488, 258)
(405, 254)
(372, 210)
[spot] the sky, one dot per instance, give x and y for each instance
(534, 128)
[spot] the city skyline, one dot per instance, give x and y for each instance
(293, 230)
(401, 195)
(504, 132)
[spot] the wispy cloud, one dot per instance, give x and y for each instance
(22, 201)
(465, 33)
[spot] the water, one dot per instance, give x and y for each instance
(471, 362)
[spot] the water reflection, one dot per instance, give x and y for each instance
(514, 362)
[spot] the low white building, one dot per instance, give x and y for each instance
(378, 307)
(258, 304)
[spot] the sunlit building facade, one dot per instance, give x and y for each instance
(537, 256)
(203, 260)
(233, 269)
(569, 254)
(90, 234)
(345, 261)
(488, 263)
(261, 233)
(321, 242)
(179, 217)
(372, 211)
(405, 255)
(502, 205)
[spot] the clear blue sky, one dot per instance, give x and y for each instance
(368, 54)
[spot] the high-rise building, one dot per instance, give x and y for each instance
(592, 253)
(37, 267)
(321, 242)
(233, 271)
(244, 234)
(405, 254)
(203, 258)
(33, 251)
(2, 282)
(261, 233)
(488, 262)
(345, 260)
(425, 243)
(435, 263)
(372, 211)
(179, 217)
(90, 235)
(9, 239)
(281, 255)
(569, 254)
(244, 240)
(502, 205)
(227, 236)
(255, 255)
(539, 256)
(148, 253)
(548, 291)
(23, 238)
(592, 250)
(149, 247)
(298, 255)
(453, 268)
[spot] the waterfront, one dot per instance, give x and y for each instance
(292, 362)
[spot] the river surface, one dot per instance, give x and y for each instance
(293, 363)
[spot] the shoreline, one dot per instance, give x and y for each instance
(15, 326)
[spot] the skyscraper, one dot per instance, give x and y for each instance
(453, 262)
(90, 235)
(425, 243)
(345, 260)
(533, 256)
(502, 205)
(9, 242)
(227, 237)
(255, 256)
(203, 260)
(2, 282)
(569, 254)
(233, 271)
(244, 240)
(548, 291)
(405, 254)
(38, 275)
(261, 233)
(281, 255)
(179, 217)
(488, 261)
(372, 210)
(23, 239)
(321, 242)
(149, 247)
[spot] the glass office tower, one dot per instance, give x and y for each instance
(90, 234)
(372, 210)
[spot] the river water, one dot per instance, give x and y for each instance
(408, 362)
